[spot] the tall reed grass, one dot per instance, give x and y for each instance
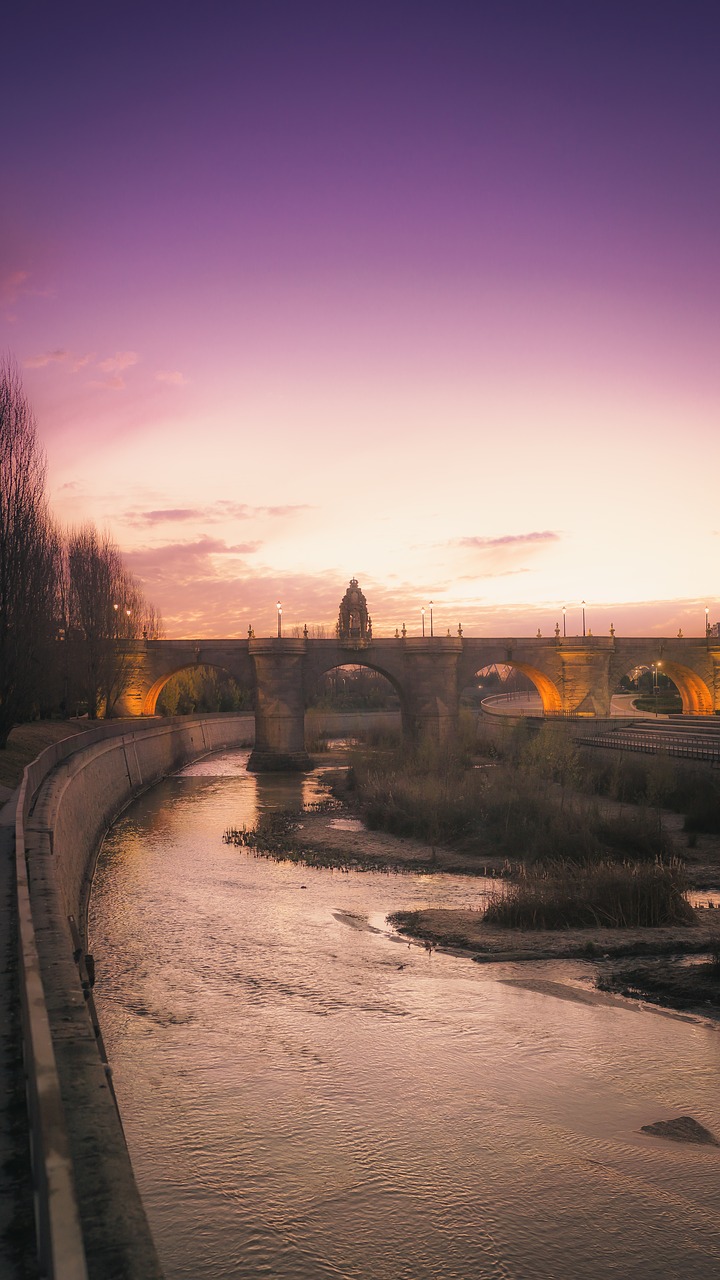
(607, 895)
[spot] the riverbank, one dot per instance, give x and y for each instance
(466, 932)
(694, 987)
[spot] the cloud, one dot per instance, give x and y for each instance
(185, 561)
(59, 356)
(215, 513)
(172, 377)
(171, 514)
(120, 361)
(48, 357)
(508, 540)
(491, 573)
(114, 383)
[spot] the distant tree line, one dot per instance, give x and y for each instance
(355, 688)
(66, 599)
(202, 689)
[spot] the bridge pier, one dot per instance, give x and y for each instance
(585, 676)
(432, 696)
(280, 710)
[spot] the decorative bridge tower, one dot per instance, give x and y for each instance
(354, 622)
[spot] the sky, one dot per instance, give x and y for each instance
(423, 293)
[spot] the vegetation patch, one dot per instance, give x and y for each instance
(603, 896)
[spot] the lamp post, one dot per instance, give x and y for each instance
(564, 622)
(431, 624)
(707, 627)
(422, 616)
(279, 617)
(583, 609)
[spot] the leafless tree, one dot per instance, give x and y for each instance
(28, 558)
(106, 613)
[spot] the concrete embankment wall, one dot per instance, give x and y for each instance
(342, 723)
(91, 1222)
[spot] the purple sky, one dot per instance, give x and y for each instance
(425, 293)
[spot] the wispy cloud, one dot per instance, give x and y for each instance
(214, 513)
(508, 540)
(172, 377)
(59, 356)
(120, 361)
(186, 560)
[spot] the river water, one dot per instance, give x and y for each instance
(306, 1096)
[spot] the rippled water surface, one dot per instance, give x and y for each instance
(307, 1096)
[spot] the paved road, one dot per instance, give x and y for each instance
(17, 1231)
(530, 704)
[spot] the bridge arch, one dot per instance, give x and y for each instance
(549, 693)
(326, 667)
(150, 700)
(696, 696)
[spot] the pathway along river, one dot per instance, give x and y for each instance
(307, 1096)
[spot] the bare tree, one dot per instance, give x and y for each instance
(107, 612)
(28, 558)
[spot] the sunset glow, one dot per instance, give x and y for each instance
(422, 294)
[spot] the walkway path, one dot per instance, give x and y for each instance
(17, 1231)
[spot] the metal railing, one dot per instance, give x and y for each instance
(650, 743)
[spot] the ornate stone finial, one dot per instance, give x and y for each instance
(251, 633)
(305, 631)
(539, 634)
(404, 631)
(680, 634)
(612, 629)
(369, 628)
(144, 633)
(397, 634)
(448, 631)
(557, 630)
(353, 618)
(459, 628)
(589, 633)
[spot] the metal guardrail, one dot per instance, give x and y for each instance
(655, 744)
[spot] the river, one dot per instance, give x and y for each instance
(306, 1096)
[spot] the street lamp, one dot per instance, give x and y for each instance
(431, 625)
(422, 615)
(707, 623)
(564, 622)
(279, 617)
(583, 609)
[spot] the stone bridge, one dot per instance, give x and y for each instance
(574, 676)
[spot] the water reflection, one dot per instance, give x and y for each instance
(307, 1096)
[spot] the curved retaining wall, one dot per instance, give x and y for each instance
(90, 1219)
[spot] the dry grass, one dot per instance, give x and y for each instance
(607, 895)
(26, 741)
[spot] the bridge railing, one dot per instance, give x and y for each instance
(656, 744)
